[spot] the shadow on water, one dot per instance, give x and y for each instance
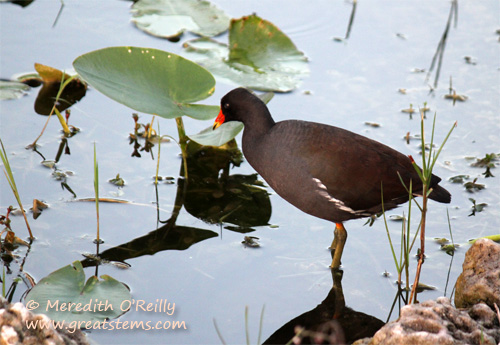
(209, 193)
(168, 237)
(72, 93)
(349, 25)
(331, 321)
(438, 56)
(215, 196)
(22, 3)
(50, 80)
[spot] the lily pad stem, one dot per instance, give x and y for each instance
(183, 138)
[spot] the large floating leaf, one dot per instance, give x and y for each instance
(12, 89)
(99, 299)
(170, 18)
(219, 136)
(258, 56)
(149, 80)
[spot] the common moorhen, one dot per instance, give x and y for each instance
(325, 171)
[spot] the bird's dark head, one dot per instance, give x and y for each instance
(239, 105)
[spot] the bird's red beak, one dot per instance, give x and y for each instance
(219, 120)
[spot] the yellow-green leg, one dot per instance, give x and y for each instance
(339, 239)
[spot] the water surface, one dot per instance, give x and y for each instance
(351, 82)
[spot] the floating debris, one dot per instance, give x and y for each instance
(251, 241)
(409, 137)
(441, 240)
(59, 175)
(427, 146)
(458, 178)
(456, 97)
(12, 239)
(396, 218)
(453, 94)
(422, 287)
(424, 109)
(476, 207)
(117, 181)
(418, 70)
(449, 248)
(409, 111)
(487, 162)
(470, 60)
(38, 207)
(473, 186)
(166, 179)
(49, 163)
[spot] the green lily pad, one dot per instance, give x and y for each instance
(258, 56)
(12, 89)
(65, 296)
(170, 18)
(149, 80)
(219, 136)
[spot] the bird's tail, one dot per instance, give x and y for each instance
(440, 194)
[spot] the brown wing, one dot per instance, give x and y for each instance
(353, 168)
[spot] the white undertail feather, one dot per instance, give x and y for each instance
(323, 191)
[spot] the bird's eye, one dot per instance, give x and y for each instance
(226, 105)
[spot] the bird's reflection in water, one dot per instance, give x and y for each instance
(331, 322)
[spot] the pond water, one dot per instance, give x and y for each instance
(203, 267)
